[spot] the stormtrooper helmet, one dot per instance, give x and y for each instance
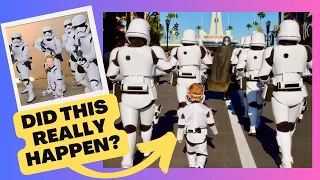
(47, 33)
(258, 39)
(81, 26)
(226, 41)
(289, 30)
(138, 28)
(247, 42)
(242, 41)
(67, 26)
(189, 37)
(16, 39)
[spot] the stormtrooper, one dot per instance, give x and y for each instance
(50, 45)
(193, 123)
(205, 63)
(234, 61)
(251, 62)
(81, 44)
(68, 34)
(287, 61)
(133, 65)
(189, 58)
(54, 77)
(241, 74)
(235, 56)
(20, 57)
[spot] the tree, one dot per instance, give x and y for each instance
(198, 28)
(248, 26)
(229, 28)
(156, 30)
(112, 34)
(286, 15)
(255, 23)
(261, 16)
(176, 25)
(259, 29)
(171, 16)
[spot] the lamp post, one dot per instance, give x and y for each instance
(167, 25)
(268, 30)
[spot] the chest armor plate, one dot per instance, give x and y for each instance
(87, 45)
(51, 44)
(189, 55)
(289, 59)
(135, 61)
(254, 60)
(17, 51)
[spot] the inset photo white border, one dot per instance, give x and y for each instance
(89, 11)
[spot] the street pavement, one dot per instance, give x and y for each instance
(232, 147)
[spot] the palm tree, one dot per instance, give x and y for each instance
(255, 23)
(198, 28)
(229, 28)
(261, 15)
(248, 26)
(171, 16)
(259, 29)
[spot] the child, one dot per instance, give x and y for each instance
(54, 77)
(193, 122)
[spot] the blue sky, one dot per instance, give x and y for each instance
(238, 20)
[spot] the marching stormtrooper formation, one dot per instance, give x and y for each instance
(77, 40)
(262, 74)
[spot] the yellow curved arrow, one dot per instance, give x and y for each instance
(162, 148)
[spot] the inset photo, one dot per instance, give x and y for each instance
(54, 58)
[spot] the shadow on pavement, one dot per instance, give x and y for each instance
(265, 134)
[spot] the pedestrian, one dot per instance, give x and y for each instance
(193, 122)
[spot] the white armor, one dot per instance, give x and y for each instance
(234, 61)
(288, 62)
(135, 65)
(50, 45)
(69, 33)
(86, 56)
(20, 55)
(205, 64)
(240, 74)
(251, 61)
(193, 122)
(55, 81)
(173, 61)
(189, 58)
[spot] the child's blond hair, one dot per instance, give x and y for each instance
(196, 92)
